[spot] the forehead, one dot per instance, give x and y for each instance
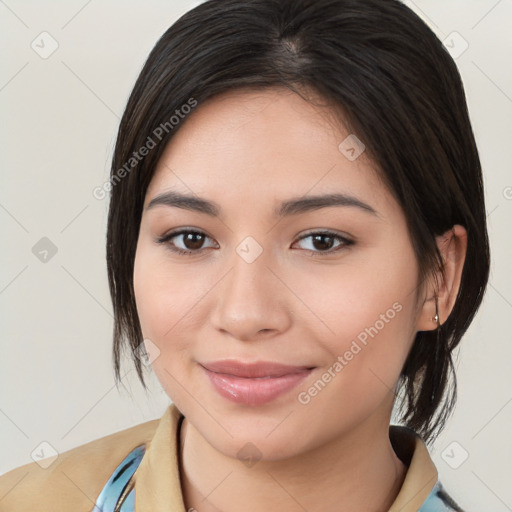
(254, 142)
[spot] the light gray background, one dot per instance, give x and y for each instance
(60, 116)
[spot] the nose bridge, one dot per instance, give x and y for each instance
(251, 299)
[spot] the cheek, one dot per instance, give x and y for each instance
(159, 295)
(359, 297)
(161, 303)
(168, 299)
(367, 312)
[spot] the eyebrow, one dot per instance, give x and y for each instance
(286, 208)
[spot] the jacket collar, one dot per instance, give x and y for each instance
(158, 486)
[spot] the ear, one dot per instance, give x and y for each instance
(452, 246)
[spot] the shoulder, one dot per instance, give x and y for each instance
(75, 478)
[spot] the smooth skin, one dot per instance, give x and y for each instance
(300, 302)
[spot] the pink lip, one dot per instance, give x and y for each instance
(253, 383)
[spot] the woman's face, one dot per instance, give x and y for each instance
(264, 283)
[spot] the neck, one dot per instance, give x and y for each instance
(357, 471)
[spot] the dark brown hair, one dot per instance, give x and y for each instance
(400, 93)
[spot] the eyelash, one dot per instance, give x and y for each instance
(346, 242)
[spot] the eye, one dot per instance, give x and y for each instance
(193, 240)
(190, 238)
(324, 240)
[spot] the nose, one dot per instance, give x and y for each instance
(252, 301)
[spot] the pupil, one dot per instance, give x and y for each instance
(195, 239)
(316, 238)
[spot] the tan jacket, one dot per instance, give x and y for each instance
(74, 480)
